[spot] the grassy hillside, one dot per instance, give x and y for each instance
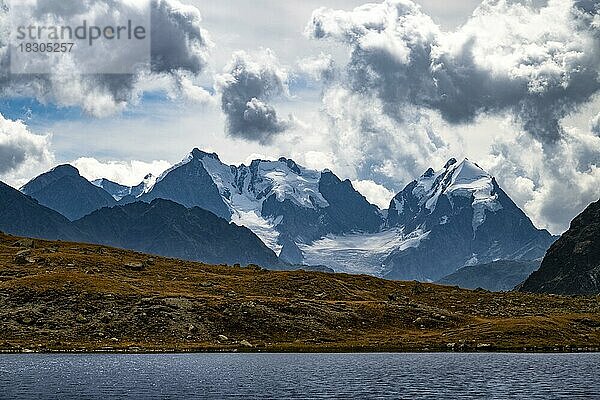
(66, 296)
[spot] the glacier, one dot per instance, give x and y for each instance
(360, 253)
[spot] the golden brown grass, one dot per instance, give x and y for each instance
(69, 296)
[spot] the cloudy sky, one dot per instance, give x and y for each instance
(375, 92)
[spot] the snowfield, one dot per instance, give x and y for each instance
(359, 253)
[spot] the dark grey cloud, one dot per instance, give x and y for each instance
(587, 6)
(499, 61)
(177, 38)
(61, 8)
(12, 156)
(246, 88)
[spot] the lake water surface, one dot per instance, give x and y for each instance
(301, 376)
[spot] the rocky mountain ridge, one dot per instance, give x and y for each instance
(572, 263)
(444, 220)
(161, 227)
(64, 190)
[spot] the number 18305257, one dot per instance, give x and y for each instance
(35, 47)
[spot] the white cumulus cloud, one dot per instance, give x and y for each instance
(19, 146)
(536, 62)
(375, 193)
(21, 151)
(179, 48)
(128, 173)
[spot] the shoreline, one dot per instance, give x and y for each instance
(291, 350)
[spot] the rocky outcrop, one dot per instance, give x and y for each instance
(572, 264)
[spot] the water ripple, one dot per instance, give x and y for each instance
(301, 376)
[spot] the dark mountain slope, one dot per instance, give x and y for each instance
(65, 191)
(24, 216)
(498, 276)
(572, 264)
(348, 210)
(189, 184)
(169, 229)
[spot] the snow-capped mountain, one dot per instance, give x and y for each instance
(468, 219)
(246, 188)
(282, 202)
(189, 184)
(444, 220)
(120, 192)
(116, 190)
(454, 183)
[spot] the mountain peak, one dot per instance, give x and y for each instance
(195, 155)
(47, 178)
(64, 190)
(65, 169)
(468, 220)
(200, 154)
(468, 171)
(429, 173)
(463, 179)
(450, 163)
(455, 184)
(291, 165)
